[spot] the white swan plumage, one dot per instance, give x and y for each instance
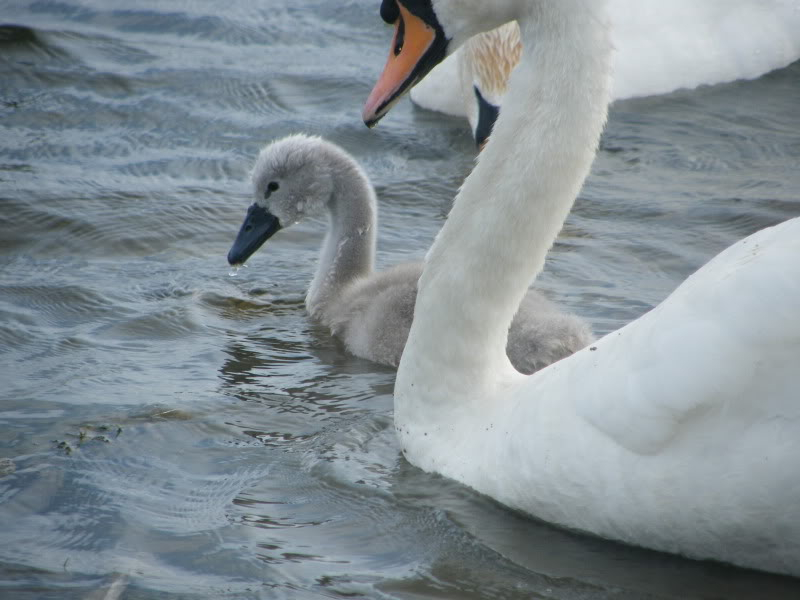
(660, 47)
(679, 432)
(300, 176)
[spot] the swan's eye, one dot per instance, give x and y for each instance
(272, 186)
(400, 37)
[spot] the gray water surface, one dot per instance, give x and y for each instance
(169, 431)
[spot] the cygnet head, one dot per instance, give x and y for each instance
(291, 179)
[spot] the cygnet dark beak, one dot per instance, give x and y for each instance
(259, 225)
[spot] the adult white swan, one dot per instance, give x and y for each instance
(680, 431)
(660, 47)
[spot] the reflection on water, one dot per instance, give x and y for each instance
(168, 431)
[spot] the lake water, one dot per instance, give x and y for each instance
(168, 431)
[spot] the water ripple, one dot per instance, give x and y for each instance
(159, 494)
(256, 456)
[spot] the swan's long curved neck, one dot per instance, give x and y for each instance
(348, 252)
(512, 206)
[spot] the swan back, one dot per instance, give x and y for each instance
(664, 46)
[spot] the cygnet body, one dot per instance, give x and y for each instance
(370, 311)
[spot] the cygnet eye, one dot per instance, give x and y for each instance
(272, 186)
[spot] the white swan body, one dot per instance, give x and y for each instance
(679, 432)
(370, 311)
(660, 47)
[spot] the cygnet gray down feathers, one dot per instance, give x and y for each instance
(370, 311)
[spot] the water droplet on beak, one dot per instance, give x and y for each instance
(235, 270)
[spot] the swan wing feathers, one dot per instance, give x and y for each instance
(725, 344)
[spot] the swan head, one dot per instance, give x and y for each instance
(426, 31)
(290, 181)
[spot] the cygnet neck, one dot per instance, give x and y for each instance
(348, 250)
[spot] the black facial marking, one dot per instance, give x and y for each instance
(390, 12)
(422, 9)
(487, 115)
